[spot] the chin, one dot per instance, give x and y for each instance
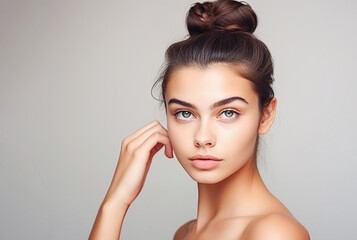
(206, 177)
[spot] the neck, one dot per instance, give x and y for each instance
(235, 196)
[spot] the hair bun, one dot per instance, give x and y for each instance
(221, 14)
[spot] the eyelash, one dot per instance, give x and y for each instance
(179, 114)
(234, 112)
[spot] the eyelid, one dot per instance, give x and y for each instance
(229, 109)
(178, 111)
(235, 111)
(182, 110)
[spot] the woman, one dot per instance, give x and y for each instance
(218, 98)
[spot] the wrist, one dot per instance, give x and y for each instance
(109, 220)
(114, 205)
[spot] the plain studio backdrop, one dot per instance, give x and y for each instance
(75, 79)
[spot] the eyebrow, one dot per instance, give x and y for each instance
(180, 102)
(215, 105)
(228, 100)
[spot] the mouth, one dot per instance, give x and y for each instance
(204, 158)
(204, 162)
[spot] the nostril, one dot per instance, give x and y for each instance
(204, 136)
(204, 143)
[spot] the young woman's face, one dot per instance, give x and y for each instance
(213, 120)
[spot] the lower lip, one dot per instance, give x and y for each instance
(205, 164)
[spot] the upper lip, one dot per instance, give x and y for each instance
(204, 157)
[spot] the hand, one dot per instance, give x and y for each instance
(135, 158)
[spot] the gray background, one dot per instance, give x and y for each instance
(75, 79)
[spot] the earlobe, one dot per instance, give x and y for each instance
(267, 118)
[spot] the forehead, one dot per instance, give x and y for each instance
(215, 82)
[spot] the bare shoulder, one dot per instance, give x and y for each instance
(183, 230)
(277, 227)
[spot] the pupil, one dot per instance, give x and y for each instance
(229, 113)
(186, 114)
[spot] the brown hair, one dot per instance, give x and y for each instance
(222, 32)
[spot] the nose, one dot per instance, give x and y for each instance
(204, 136)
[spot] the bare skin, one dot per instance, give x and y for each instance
(135, 158)
(233, 201)
(211, 113)
(267, 219)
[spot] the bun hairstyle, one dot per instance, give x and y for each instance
(223, 15)
(222, 32)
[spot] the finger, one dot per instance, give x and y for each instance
(154, 143)
(168, 149)
(155, 149)
(138, 141)
(140, 131)
(146, 151)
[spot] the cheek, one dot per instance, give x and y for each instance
(241, 139)
(177, 136)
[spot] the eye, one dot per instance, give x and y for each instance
(183, 114)
(228, 114)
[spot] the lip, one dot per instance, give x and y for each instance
(204, 157)
(204, 162)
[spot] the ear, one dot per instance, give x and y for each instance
(267, 117)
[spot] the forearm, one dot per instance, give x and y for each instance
(108, 222)
(133, 165)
